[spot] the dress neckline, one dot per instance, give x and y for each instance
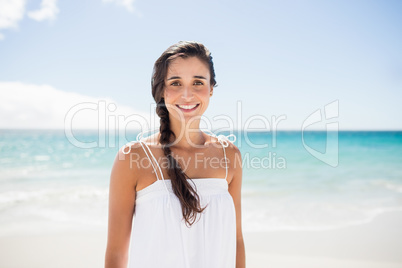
(192, 179)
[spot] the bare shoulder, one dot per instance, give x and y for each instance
(127, 150)
(235, 163)
(234, 155)
(126, 157)
(136, 148)
(153, 140)
(233, 150)
(135, 151)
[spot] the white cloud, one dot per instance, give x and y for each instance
(11, 12)
(48, 11)
(127, 4)
(44, 107)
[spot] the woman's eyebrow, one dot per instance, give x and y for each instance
(195, 76)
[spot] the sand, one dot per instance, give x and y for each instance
(377, 244)
(374, 244)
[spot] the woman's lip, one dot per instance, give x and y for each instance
(188, 110)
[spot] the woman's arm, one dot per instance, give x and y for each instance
(121, 208)
(235, 191)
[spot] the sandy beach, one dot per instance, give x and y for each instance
(377, 244)
(371, 245)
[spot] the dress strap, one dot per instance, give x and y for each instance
(224, 141)
(141, 141)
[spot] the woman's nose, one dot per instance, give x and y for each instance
(187, 93)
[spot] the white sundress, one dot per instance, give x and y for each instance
(160, 237)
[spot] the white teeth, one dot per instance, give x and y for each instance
(187, 107)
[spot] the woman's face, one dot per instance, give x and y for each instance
(187, 88)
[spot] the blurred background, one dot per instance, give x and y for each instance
(311, 89)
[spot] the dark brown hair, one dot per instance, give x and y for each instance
(189, 199)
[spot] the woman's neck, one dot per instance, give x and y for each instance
(188, 136)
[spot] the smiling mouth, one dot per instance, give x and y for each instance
(188, 108)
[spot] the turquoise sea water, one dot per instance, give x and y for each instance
(48, 183)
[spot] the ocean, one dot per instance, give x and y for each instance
(291, 180)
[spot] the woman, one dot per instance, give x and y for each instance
(177, 196)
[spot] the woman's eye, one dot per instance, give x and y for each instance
(198, 83)
(175, 84)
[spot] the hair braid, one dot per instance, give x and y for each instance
(188, 197)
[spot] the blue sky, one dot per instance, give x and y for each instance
(274, 57)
